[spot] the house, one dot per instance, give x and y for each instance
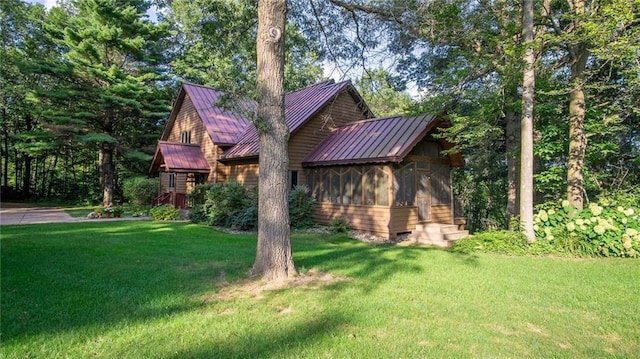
(386, 176)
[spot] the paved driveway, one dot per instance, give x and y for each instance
(19, 213)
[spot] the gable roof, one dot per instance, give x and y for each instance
(372, 141)
(223, 126)
(300, 106)
(179, 157)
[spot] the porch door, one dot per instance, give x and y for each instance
(422, 194)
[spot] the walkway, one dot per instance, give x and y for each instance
(20, 213)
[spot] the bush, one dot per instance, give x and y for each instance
(604, 229)
(504, 242)
(165, 212)
(300, 207)
(140, 190)
(339, 225)
(231, 205)
(222, 204)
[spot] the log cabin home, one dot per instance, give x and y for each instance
(385, 176)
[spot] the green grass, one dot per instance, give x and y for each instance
(150, 290)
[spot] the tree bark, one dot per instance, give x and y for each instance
(579, 53)
(528, 97)
(274, 259)
(106, 170)
(512, 119)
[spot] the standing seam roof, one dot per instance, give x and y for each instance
(223, 127)
(378, 140)
(300, 106)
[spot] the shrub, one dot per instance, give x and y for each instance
(300, 207)
(221, 205)
(339, 225)
(140, 190)
(231, 205)
(504, 242)
(165, 212)
(604, 229)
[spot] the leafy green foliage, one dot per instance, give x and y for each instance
(140, 190)
(504, 242)
(165, 212)
(222, 204)
(300, 207)
(339, 225)
(604, 229)
(233, 206)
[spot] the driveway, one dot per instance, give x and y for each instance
(19, 213)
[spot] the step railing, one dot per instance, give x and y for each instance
(164, 198)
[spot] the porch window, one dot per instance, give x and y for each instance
(404, 185)
(440, 185)
(350, 185)
(172, 180)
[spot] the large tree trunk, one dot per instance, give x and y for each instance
(274, 260)
(577, 136)
(512, 119)
(528, 97)
(106, 172)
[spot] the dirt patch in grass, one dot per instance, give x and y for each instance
(253, 288)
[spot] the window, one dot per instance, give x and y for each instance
(185, 137)
(293, 179)
(172, 180)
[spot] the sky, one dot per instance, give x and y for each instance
(47, 3)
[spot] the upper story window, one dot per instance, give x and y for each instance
(185, 137)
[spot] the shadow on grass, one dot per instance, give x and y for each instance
(62, 277)
(253, 343)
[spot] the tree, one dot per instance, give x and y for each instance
(213, 45)
(528, 96)
(274, 259)
(112, 66)
(378, 91)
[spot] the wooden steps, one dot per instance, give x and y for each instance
(437, 234)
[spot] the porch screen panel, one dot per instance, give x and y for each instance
(382, 187)
(335, 185)
(369, 186)
(405, 185)
(356, 182)
(440, 185)
(325, 185)
(347, 186)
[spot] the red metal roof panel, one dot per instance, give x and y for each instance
(300, 106)
(181, 157)
(377, 140)
(224, 127)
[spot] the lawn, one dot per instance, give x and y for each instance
(179, 290)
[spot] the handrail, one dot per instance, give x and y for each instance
(160, 199)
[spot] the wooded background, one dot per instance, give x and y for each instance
(86, 86)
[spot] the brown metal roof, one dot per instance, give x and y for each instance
(223, 127)
(300, 106)
(371, 141)
(179, 157)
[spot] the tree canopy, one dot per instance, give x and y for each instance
(86, 86)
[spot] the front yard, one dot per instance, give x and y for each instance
(179, 290)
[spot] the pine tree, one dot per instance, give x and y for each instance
(112, 62)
